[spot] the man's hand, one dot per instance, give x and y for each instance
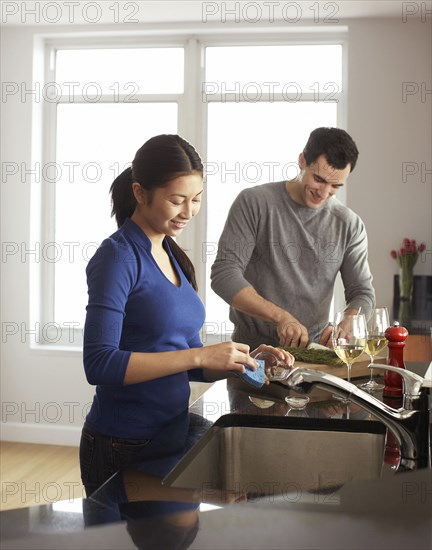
(291, 333)
(325, 339)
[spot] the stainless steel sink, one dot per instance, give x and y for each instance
(262, 455)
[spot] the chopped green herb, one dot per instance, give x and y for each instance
(315, 356)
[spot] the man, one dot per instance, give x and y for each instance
(283, 245)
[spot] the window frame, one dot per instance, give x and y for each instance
(192, 124)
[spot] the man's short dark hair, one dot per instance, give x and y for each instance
(335, 144)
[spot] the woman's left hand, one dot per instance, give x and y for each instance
(281, 354)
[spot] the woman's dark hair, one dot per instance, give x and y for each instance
(160, 160)
(335, 144)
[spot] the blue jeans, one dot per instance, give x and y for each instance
(102, 456)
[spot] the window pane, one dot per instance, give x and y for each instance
(262, 144)
(276, 69)
(121, 71)
(94, 143)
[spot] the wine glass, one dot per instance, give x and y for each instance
(376, 341)
(349, 334)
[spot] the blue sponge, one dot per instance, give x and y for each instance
(254, 377)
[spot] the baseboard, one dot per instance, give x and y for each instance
(41, 434)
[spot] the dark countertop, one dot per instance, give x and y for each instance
(133, 509)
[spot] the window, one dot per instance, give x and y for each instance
(98, 151)
(96, 122)
(246, 108)
(124, 71)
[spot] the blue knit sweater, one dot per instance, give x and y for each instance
(132, 306)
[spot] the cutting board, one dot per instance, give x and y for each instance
(358, 369)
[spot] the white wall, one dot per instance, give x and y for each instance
(44, 395)
(392, 133)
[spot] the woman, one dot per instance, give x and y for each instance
(141, 336)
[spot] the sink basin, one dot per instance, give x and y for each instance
(264, 455)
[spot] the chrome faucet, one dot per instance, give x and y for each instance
(409, 425)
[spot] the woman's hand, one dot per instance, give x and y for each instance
(285, 358)
(281, 354)
(221, 359)
(229, 356)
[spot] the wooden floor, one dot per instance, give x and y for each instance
(38, 474)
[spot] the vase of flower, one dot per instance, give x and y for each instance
(406, 279)
(406, 258)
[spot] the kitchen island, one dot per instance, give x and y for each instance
(134, 509)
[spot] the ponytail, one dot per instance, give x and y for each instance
(122, 197)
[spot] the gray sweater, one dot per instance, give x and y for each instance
(290, 254)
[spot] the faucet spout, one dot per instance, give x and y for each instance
(408, 426)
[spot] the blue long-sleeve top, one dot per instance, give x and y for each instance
(133, 307)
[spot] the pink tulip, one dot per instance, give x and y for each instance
(407, 255)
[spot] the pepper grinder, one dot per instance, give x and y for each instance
(396, 337)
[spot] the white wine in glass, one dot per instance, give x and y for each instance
(376, 341)
(349, 334)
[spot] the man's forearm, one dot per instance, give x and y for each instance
(248, 301)
(352, 310)
(290, 332)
